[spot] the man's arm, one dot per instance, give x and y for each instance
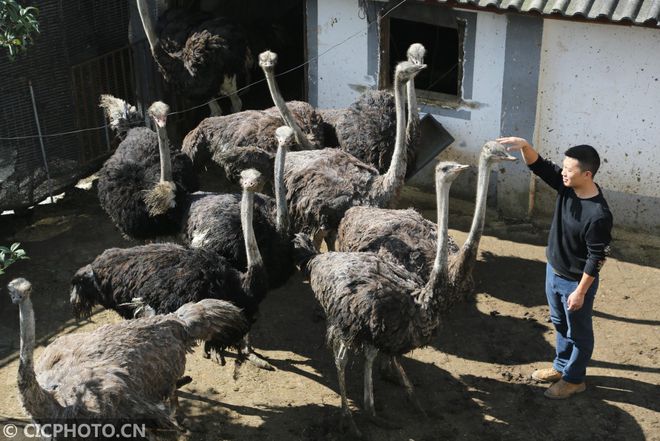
(546, 170)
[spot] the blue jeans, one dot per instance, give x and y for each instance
(574, 330)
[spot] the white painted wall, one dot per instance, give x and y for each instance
(342, 71)
(484, 122)
(600, 85)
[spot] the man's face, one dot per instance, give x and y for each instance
(573, 175)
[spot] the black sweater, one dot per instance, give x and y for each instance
(581, 228)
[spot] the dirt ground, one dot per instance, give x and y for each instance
(473, 381)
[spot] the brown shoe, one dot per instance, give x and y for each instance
(563, 389)
(549, 375)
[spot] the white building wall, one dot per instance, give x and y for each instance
(600, 85)
(342, 70)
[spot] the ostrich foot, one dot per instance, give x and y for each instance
(410, 389)
(246, 352)
(382, 422)
(258, 361)
(348, 423)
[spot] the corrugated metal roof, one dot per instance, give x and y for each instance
(637, 12)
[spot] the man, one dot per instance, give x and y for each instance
(577, 246)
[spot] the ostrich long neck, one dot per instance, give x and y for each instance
(36, 401)
(462, 266)
(247, 214)
(285, 112)
(282, 216)
(439, 274)
(164, 150)
(147, 23)
(392, 181)
(413, 113)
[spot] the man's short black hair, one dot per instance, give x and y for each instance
(586, 156)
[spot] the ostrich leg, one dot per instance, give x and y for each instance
(410, 389)
(370, 353)
(341, 359)
(230, 90)
(248, 352)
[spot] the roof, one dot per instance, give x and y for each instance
(635, 12)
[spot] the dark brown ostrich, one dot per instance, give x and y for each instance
(200, 55)
(103, 375)
(248, 137)
(411, 239)
(164, 276)
(143, 185)
(374, 305)
(213, 222)
(323, 184)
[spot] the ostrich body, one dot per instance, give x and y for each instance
(323, 184)
(411, 239)
(367, 128)
(213, 223)
(248, 137)
(100, 375)
(143, 185)
(375, 305)
(200, 55)
(164, 276)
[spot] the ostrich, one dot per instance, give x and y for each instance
(144, 195)
(164, 276)
(213, 222)
(248, 137)
(100, 376)
(323, 184)
(200, 55)
(366, 129)
(410, 238)
(373, 304)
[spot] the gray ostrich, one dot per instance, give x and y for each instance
(200, 55)
(100, 375)
(411, 239)
(323, 184)
(213, 222)
(374, 305)
(366, 129)
(245, 138)
(164, 276)
(143, 185)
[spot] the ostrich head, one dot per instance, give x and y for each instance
(416, 53)
(284, 135)
(159, 111)
(267, 60)
(84, 292)
(448, 170)
(251, 180)
(494, 152)
(406, 71)
(19, 290)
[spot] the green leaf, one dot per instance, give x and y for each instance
(14, 246)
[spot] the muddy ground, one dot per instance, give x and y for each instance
(473, 381)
